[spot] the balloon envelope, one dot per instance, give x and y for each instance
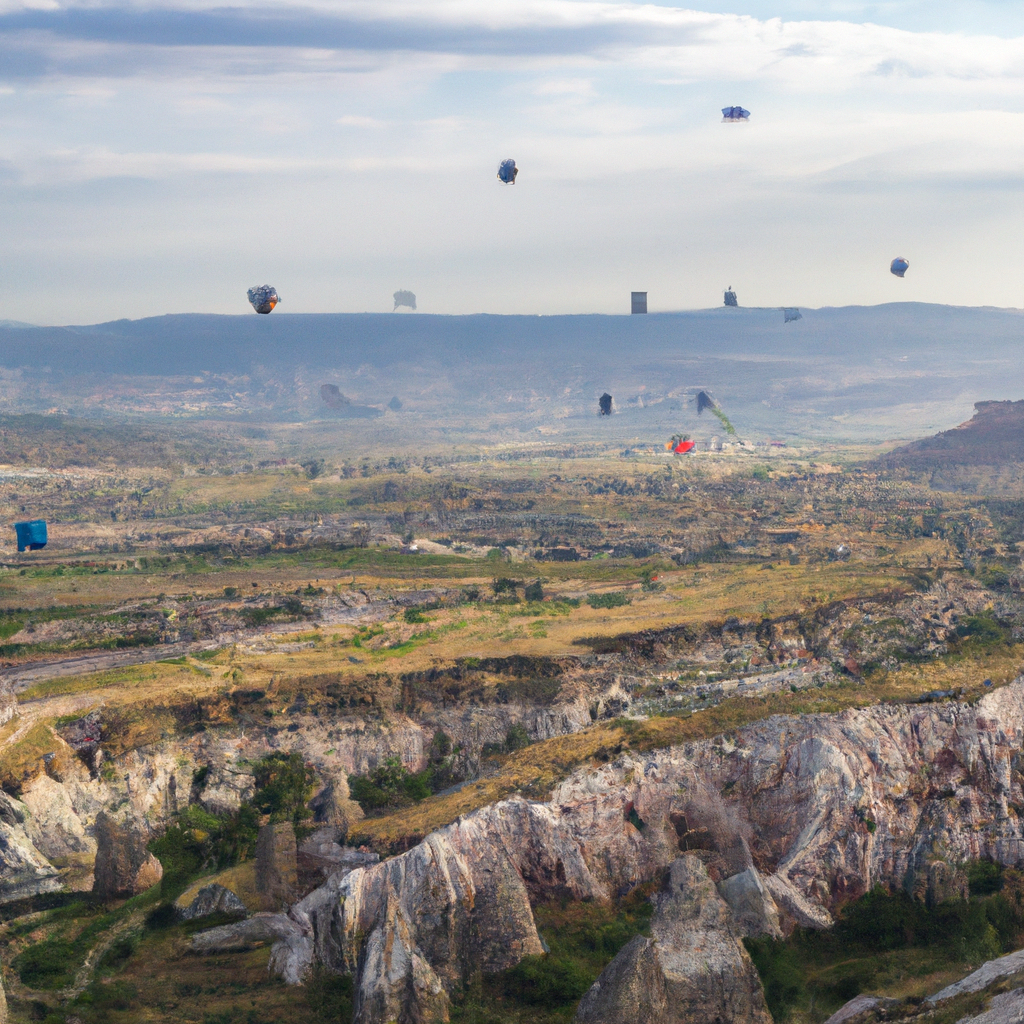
(791, 315)
(735, 114)
(899, 266)
(507, 171)
(263, 297)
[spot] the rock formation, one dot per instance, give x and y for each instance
(213, 899)
(276, 865)
(692, 968)
(817, 810)
(124, 866)
(24, 871)
(334, 806)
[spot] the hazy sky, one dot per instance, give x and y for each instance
(165, 156)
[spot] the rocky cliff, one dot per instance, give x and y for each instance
(789, 818)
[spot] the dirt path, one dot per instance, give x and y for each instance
(20, 677)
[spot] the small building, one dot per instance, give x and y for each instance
(638, 301)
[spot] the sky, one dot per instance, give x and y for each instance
(161, 157)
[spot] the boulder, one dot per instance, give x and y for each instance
(693, 969)
(276, 865)
(859, 1006)
(213, 899)
(257, 930)
(124, 866)
(753, 909)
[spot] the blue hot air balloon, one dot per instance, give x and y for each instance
(899, 266)
(791, 314)
(263, 298)
(507, 171)
(735, 114)
(31, 535)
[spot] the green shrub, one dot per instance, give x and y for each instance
(329, 996)
(547, 981)
(120, 951)
(390, 784)
(616, 599)
(985, 877)
(284, 782)
(46, 965)
(780, 972)
(983, 630)
(534, 591)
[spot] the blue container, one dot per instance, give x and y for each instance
(31, 535)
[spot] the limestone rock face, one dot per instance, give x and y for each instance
(414, 927)
(987, 973)
(693, 969)
(276, 865)
(124, 866)
(24, 871)
(753, 908)
(833, 804)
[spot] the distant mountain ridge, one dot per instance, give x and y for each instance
(902, 369)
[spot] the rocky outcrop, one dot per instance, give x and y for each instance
(858, 1007)
(789, 816)
(752, 906)
(276, 865)
(124, 866)
(24, 871)
(213, 899)
(987, 973)
(834, 804)
(333, 806)
(1005, 1008)
(413, 928)
(692, 968)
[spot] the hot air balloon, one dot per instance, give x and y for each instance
(604, 404)
(31, 535)
(404, 298)
(507, 171)
(899, 266)
(791, 314)
(264, 298)
(730, 297)
(704, 401)
(734, 114)
(680, 444)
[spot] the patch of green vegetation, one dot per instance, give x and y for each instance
(581, 937)
(982, 631)
(615, 599)
(392, 785)
(886, 936)
(199, 842)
